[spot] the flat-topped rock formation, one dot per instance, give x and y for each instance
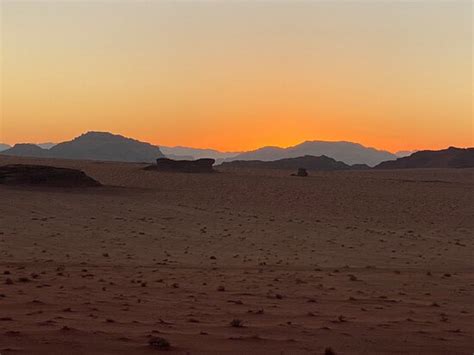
(183, 166)
(446, 158)
(40, 175)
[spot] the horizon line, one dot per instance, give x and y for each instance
(230, 151)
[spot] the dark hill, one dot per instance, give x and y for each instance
(93, 146)
(106, 146)
(308, 162)
(447, 158)
(39, 175)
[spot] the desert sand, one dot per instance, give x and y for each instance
(362, 262)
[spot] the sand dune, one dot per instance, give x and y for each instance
(253, 262)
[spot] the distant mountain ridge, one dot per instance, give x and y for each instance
(26, 150)
(106, 146)
(446, 158)
(93, 146)
(308, 162)
(84, 147)
(48, 145)
(347, 152)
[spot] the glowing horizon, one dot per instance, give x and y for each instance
(237, 76)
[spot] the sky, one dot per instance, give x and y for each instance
(238, 75)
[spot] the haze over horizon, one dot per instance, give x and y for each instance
(47, 145)
(237, 76)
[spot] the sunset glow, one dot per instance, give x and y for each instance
(239, 75)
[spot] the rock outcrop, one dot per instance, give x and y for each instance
(183, 166)
(446, 158)
(40, 175)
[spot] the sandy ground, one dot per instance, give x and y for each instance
(361, 262)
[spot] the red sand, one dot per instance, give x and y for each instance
(363, 262)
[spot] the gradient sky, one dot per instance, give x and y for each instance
(236, 75)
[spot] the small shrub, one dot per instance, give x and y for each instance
(159, 343)
(236, 323)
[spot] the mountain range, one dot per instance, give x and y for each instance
(106, 146)
(347, 152)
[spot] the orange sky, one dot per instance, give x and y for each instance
(238, 75)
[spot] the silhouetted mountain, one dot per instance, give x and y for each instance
(26, 150)
(93, 146)
(447, 158)
(4, 147)
(106, 146)
(347, 152)
(195, 153)
(308, 162)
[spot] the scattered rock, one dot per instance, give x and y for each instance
(237, 323)
(159, 343)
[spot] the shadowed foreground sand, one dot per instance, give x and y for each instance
(362, 262)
